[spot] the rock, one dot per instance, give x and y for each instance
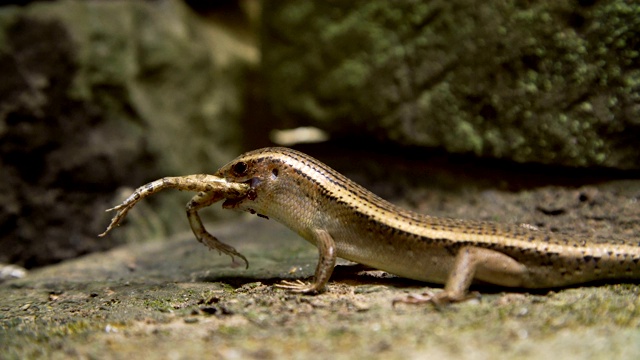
(100, 95)
(552, 82)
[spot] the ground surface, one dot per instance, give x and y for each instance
(176, 300)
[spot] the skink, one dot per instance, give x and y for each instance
(343, 219)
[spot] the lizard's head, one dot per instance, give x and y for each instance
(260, 169)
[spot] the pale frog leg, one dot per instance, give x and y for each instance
(201, 200)
(199, 182)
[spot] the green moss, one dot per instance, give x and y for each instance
(463, 76)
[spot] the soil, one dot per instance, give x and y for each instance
(174, 299)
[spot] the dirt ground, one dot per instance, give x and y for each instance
(176, 300)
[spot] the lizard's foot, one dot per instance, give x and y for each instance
(298, 287)
(214, 244)
(425, 297)
(438, 299)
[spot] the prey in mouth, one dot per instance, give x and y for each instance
(210, 188)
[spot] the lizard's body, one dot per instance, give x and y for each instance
(345, 220)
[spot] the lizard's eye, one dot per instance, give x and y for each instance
(239, 168)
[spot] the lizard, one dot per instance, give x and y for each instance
(343, 219)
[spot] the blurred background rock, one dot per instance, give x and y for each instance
(99, 97)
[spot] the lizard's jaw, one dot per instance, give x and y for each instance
(232, 203)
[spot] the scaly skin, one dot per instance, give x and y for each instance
(345, 220)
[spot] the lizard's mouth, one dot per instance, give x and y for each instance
(232, 203)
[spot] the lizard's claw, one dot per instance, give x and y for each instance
(298, 286)
(425, 297)
(438, 299)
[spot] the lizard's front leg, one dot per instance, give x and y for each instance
(324, 269)
(204, 199)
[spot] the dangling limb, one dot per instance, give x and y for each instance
(204, 199)
(200, 182)
(324, 269)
